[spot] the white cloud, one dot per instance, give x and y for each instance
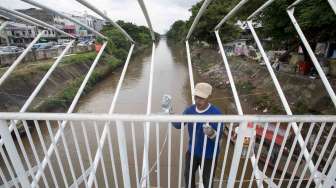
(162, 12)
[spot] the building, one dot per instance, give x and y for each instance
(18, 34)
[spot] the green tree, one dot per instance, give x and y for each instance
(118, 45)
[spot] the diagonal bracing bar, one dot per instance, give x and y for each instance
(149, 23)
(59, 133)
(22, 19)
(3, 25)
(120, 129)
(205, 5)
(242, 130)
(197, 18)
(312, 56)
(39, 22)
(64, 16)
(282, 96)
(20, 58)
(100, 13)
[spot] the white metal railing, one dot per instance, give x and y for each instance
(83, 124)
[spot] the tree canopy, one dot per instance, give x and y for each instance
(315, 17)
(118, 44)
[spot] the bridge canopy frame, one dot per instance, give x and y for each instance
(146, 120)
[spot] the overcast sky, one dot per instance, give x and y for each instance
(162, 12)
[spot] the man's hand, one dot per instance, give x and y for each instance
(209, 131)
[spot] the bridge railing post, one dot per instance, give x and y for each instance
(13, 154)
(237, 154)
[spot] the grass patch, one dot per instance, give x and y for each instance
(245, 87)
(65, 97)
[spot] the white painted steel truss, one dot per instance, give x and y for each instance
(20, 170)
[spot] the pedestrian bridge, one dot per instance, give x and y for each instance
(258, 150)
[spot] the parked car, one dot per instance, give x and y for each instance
(10, 49)
(47, 45)
(58, 46)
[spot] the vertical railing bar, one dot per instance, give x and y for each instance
(311, 154)
(112, 158)
(60, 164)
(181, 154)
(79, 155)
(282, 147)
(281, 93)
(111, 111)
(330, 180)
(135, 156)
(158, 154)
(59, 132)
(67, 153)
(123, 153)
(205, 141)
(228, 141)
(39, 133)
(88, 151)
(102, 156)
(214, 156)
(192, 153)
(327, 164)
(288, 158)
(32, 145)
(34, 3)
(300, 156)
(19, 59)
(258, 153)
(325, 146)
(275, 134)
(147, 124)
(7, 164)
(41, 84)
(312, 56)
(13, 154)
(3, 178)
(169, 153)
(3, 25)
(245, 163)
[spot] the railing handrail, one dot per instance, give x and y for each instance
(166, 118)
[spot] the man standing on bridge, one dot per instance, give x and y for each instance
(202, 107)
